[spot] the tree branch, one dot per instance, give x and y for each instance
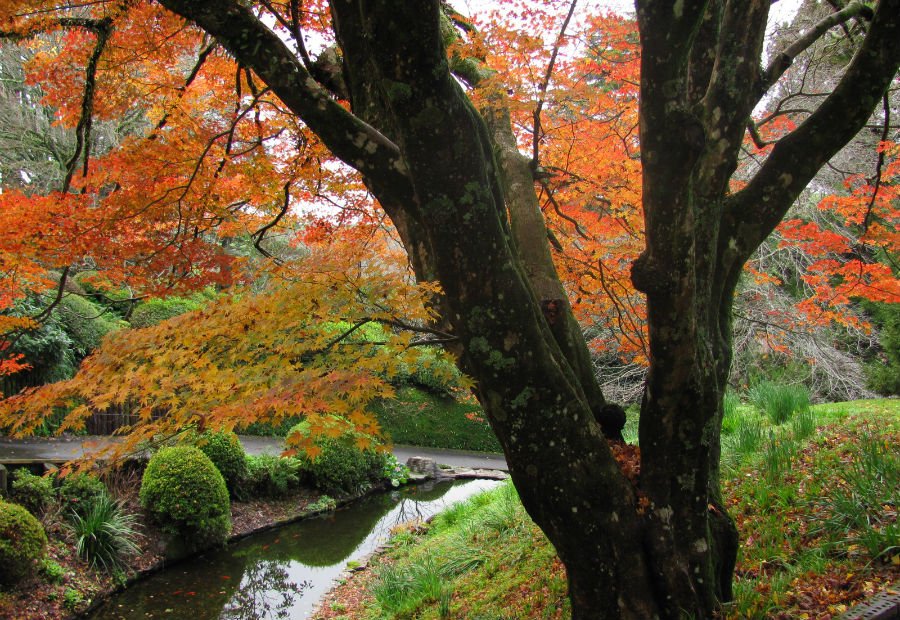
(59, 295)
(542, 93)
(885, 102)
(753, 212)
(255, 46)
(785, 59)
(753, 130)
(103, 30)
(201, 59)
(262, 231)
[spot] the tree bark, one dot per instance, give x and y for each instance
(529, 235)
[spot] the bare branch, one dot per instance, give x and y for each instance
(578, 228)
(262, 231)
(878, 166)
(785, 59)
(536, 136)
(103, 30)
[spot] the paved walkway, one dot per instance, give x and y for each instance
(60, 449)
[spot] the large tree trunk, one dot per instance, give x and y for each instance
(663, 548)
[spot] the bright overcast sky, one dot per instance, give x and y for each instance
(782, 10)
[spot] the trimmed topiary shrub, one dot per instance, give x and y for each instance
(342, 467)
(85, 323)
(22, 543)
(81, 491)
(33, 492)
(187, 496)
(158, 310)
(227, 454)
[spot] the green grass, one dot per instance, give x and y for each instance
(815, 503)
(473, 561)
(731, 416)
(816, 508)
(420, 418)
(857, 517)
(105, 535)
(779, 402)
(414, 411)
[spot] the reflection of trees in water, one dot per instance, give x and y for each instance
(263, 584)
(250, 581)
(331, 539)
(414, 504)
(429, 491)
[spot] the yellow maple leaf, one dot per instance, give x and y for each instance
(333, 431)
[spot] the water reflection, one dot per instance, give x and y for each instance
(266, 591)
(279, 574)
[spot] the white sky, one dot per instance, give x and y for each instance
(781, 11)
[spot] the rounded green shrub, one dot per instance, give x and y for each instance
(227, 454)
(81, 491)
(85, 323)
(342, 467)
(158, 310)
(33, 492)
(187, 496)
(22, 543)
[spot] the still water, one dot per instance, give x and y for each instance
(281, 573)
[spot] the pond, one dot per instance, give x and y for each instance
(280, 573)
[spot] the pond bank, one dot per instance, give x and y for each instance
(281, 572)
(68, 587)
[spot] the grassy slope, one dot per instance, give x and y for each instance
(419, 418)
(804, 554)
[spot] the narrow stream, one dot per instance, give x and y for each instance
(281, 573)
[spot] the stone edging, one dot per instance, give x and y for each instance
(884, 606)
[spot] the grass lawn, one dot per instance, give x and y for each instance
(815, 499)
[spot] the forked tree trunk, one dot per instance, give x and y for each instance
(664, 548)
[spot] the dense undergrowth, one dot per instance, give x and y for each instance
(815, 498)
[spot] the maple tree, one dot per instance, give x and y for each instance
(242, 118)
(320, 338)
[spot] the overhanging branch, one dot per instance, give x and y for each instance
(785, 59)
(754, 211)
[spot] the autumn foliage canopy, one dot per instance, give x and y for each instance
(212, 167)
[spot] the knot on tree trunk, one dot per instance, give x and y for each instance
(647, 275)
